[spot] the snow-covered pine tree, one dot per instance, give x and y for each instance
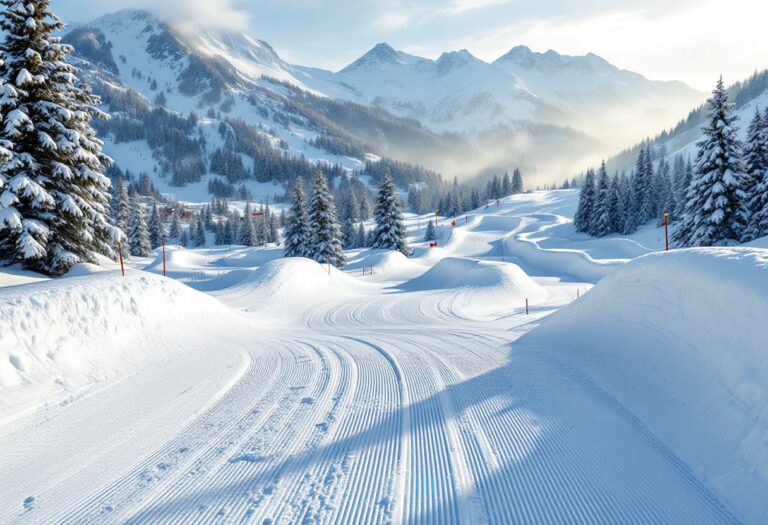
(283, 218)
(756, 171)
(138, 233)
(274, 229)
(601, 226)
(517, 181)
(327, 241)
(679, 187)
(760, 203)
(663, 189)
(584, 218)
(184, 238)
(365, 208)
(506, 184)
(649, 204)
(390, 232)
(191, 233)
(349, 232)
(175, 229)
(55, 197)
(297, 237)
(121, 205)
(615, 206)
(715, 210)
(362, 236)
(156, 230)
(200, 240)
(627, 215)
(431, 234)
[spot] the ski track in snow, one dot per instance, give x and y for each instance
(390, 407)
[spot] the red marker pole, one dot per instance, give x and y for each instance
(163, 256)
(120, 251)
(666, 230)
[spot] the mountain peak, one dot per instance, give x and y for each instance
(452, 60)
(381, 57)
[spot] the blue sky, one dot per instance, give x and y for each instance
(689, 40)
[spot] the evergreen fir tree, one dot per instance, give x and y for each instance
(362, 236)
(759, 201)
(191, 233)
(756, 171)
(679, 186)
(327, 241)
(584, 218)
(175, 229)
(138, 233)
(297, 237)
(274, 229)
(200, 240)
(715, 211)
(431, 234)
(506, 185)
(349, 231)
(390, 232)
(184, 238)
(365, 208)
(517, 181)
(602, 226)
(55, 197)
(156, 232)
(649, 203)
(615, 207)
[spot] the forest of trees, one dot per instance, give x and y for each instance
(720, 198)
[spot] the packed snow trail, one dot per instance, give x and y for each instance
(350, 399)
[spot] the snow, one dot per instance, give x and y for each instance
(679, 340)
(248, 387)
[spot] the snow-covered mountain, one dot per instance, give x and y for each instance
(461, 93)
(457, 114)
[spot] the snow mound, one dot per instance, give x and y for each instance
(478, 288)
(284, 287)
(59, 336)
(680, 339)
(387, 264)
(456, 272)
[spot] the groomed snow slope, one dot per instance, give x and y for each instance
(680, 340)
(408, 396)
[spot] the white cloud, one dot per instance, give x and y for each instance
(457, 7)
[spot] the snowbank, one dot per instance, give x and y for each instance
(681, 340)
(480, 288)
(61, 335)
(283, 288)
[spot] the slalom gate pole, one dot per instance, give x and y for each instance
(666, 231)
(120, 251)
(163, 256)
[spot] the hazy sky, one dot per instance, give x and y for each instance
(689, 40)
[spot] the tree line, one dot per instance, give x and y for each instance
(720, 198)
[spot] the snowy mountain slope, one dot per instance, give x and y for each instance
(138, 63)
(508, 111)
